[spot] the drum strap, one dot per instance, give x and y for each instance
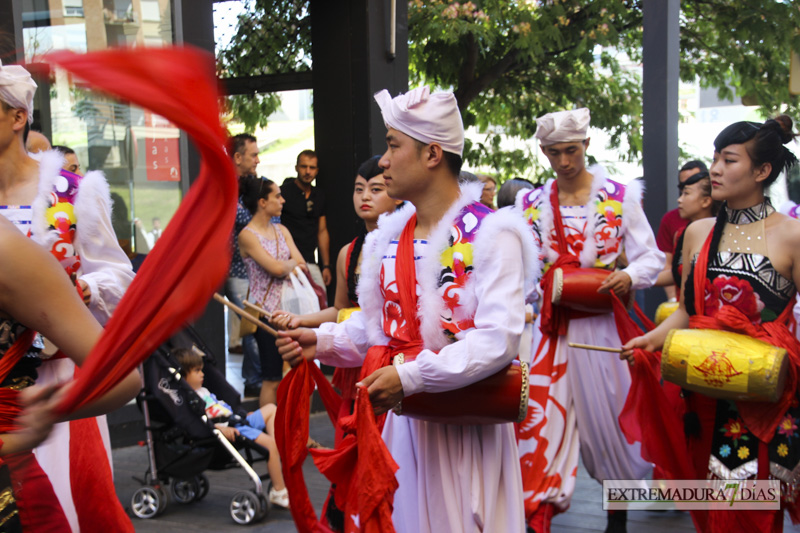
(555, 319)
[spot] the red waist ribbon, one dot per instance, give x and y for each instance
(360, 465)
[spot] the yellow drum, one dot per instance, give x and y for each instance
(724, 365)
(665, 310)
(345, 313)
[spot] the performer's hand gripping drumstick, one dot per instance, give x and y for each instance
(244, 315)
(277, 324)
(644, 342)
(258, 309)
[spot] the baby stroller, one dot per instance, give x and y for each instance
(182, 442)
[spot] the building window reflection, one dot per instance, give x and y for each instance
(137, 151)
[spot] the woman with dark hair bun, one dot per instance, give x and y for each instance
(743, 278)
(270, 255)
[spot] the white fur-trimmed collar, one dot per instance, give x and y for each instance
(93, 203)
(50, 163)
(510, 219)
(431, 305)
(92, 199)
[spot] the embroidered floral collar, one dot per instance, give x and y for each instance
(750, 214)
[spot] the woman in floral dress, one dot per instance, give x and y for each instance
(270, 255)
(746, 262)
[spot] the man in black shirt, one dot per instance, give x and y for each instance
(304, 215)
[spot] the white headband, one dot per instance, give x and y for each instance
(17, 88)
(563, 126)
(429, 118)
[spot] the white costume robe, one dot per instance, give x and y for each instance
(451, 478)
(587, 390)
(108, 273)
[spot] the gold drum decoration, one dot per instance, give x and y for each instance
(724, 365)
(664, 311)
(345, 313)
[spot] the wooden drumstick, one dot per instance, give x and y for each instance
(595, 348)
(244, 314)
(258, 309)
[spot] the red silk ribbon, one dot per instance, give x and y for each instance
(191, 258)
(360, 465)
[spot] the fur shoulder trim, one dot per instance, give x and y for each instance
(509, 219)
(526, 196)
(50, 163)
(370, 298)
(93, 202)
(431, 303)
(634, 193)
(546, 221)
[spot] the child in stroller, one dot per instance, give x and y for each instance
(258, 426)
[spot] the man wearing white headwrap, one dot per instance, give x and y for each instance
(17, 89)
(473, 271)
(69, 215)
(581, 219)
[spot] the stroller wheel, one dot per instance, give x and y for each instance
(202, 482)
(264, 508)
(147, 502)
(162, 501)
(245, 507)
(185, 490)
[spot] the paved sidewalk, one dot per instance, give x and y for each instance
(211, 514)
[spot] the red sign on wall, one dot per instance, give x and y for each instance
(162, 155)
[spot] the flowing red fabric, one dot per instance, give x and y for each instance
(191, 258)
(649, 416)
(291, 436)
(360, 466)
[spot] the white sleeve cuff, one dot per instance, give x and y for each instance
(325, 340)
(631, 272)
(410, 378)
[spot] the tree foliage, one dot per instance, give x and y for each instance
(509, 62)
(271, 37)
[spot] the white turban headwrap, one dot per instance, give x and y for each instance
(17, 88)
(563, 127)
(428, 118)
